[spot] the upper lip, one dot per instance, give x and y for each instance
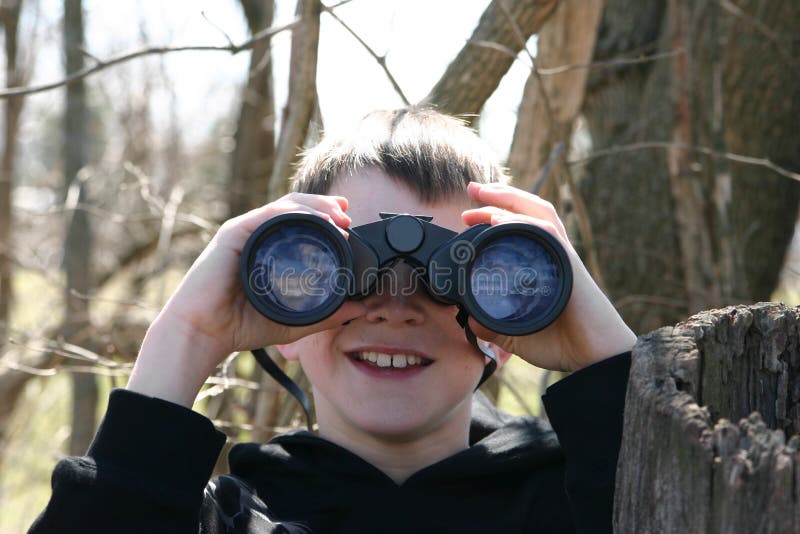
(389, 350)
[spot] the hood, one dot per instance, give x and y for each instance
(299, 469)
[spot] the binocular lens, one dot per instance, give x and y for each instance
(294, 269)
(515, 279)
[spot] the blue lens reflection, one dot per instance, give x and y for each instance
(295, 269)
(515, 279)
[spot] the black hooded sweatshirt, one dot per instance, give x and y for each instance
(148, 467)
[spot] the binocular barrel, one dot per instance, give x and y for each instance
(515, 279)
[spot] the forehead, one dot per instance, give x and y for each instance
(371, 191)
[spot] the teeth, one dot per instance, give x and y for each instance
(390, 360)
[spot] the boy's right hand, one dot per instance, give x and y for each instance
(209, 316)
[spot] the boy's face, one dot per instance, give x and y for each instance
(358, 397)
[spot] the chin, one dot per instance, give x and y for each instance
(388, 423)
(394, 428)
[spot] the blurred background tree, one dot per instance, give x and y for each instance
(664, 132)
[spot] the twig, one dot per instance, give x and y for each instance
(555, 153)
(220, 30)
(68, 350)
(337, 4)
(90, 55)
(155, 50)
(380, 59)
(491, 45)
(611, 62)
(581, 212)
(228, 382)
(524, 43)
(118, 218)
(27, 369)
(575, 66)
(77, 294)
(90, 370)
(302, 90)
(738, 12)
(760, 162)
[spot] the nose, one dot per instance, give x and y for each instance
(397, 298)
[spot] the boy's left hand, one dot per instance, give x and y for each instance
(589, 329)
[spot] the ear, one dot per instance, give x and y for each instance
(501, 355)
(290, 351)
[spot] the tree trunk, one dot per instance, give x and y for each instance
(77, 246)
(472, 77)
(299, 108)
(12, 107)
(685, 465)
(678, 231)
(567, 38)
(255, 134)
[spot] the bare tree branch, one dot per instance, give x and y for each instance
(616, 62)
(560, 124)
(154, 50)
(476, 71)
(380, 59)
(738, 158)
(302, 91)
(216, 27)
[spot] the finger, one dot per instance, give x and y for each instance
(236, 231)
(297, 202)
(541, 223)
(515, 200)
(329, 204)
(493, 215)
(484, 214)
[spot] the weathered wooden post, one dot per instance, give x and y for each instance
(710, 442)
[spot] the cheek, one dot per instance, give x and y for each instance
(316, 353)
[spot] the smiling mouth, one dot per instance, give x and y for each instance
(386, 361)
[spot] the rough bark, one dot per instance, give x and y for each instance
(677, 231)
(254, 154)
(77, 245)
(12, 107)
(476, 71)
(710, 404)
(689, 199)
(760, 103)
(302, 93)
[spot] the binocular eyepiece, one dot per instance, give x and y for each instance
(515, 279)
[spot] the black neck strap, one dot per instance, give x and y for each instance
(283, 379)
(491, 366)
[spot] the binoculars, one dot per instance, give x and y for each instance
(514, 279)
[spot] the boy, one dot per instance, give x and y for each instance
(396, 451)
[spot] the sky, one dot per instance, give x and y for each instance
(419, 37)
